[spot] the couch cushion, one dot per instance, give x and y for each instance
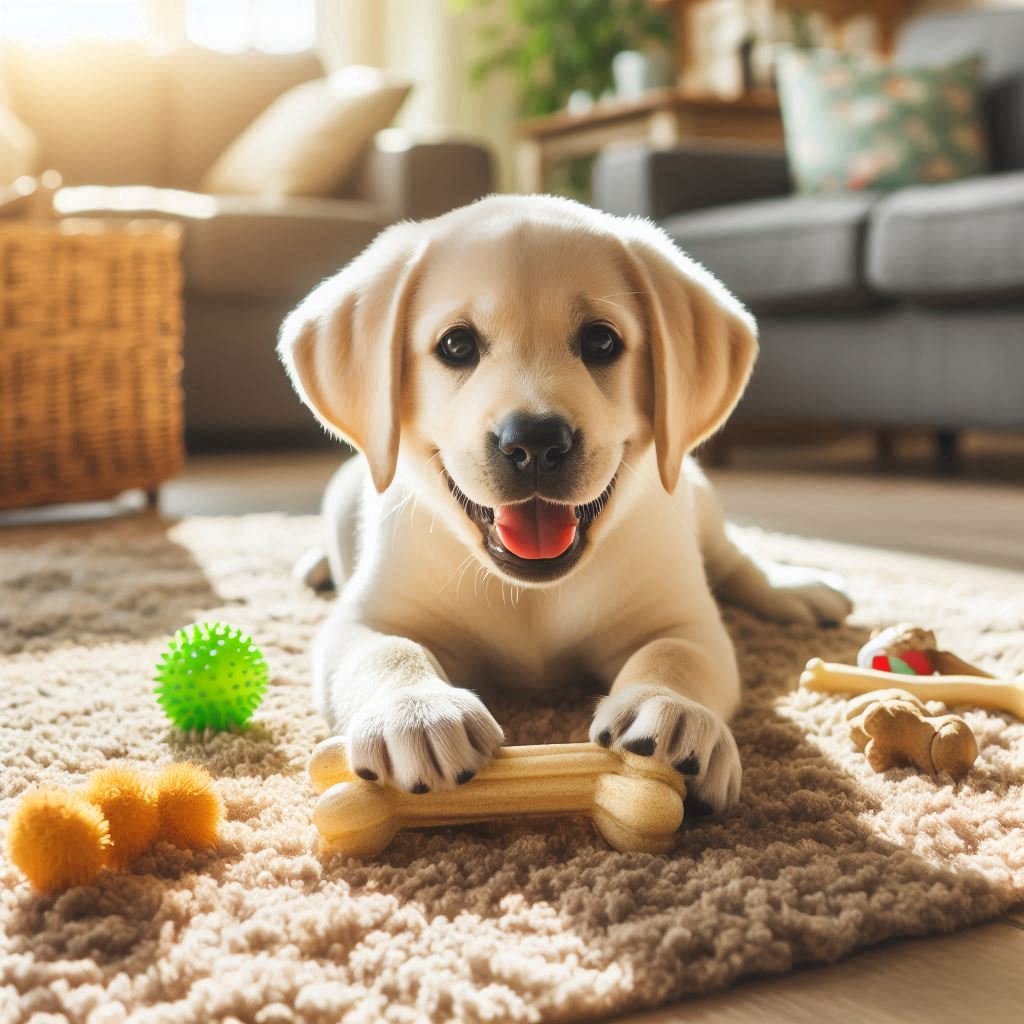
(212, 97)
(798, 252)
(999, 37)
(309, 140)
(96, 109)
(270, 248)
(854, 124)
(950, 243)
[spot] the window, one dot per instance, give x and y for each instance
(57, 20)
(260, 24)
(219, 24)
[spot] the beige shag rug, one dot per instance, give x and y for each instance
(492, 923)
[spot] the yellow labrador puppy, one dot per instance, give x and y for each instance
(524, 378)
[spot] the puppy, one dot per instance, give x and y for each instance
(524, 378)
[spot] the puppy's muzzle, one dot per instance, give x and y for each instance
(535, 455)
(536, 529)
(534, 444)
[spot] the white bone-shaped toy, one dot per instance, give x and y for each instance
(984, 692)
(635, 802)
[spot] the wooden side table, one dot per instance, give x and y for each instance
(661, 117)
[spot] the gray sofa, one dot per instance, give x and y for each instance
(132, 133)
(904, 309)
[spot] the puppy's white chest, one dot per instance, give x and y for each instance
(504, 641)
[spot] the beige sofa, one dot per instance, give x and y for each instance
(132, 133)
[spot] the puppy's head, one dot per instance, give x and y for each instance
(511, 359)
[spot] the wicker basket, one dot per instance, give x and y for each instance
(90, 359)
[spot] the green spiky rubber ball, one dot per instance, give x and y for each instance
(212, 676)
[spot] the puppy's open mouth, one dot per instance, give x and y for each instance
(536, 539)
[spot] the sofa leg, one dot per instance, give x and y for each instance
(947, 451)
(717, 452)
(885, 449)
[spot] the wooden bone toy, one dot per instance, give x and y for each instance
(635, 802)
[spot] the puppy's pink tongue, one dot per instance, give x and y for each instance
(536, 529)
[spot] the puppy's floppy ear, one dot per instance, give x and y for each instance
(343, 346)
(703, 345)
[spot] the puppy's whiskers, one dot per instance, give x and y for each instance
(642, 474)
(398, 508)
(607, 299)
(458, 569)
(662, 505)
(458, 586)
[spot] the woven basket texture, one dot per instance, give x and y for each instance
(90, 359)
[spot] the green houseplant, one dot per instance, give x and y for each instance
(555, 47)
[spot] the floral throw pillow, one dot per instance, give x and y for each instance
(852, 124)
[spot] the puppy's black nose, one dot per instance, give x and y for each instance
(534, 443)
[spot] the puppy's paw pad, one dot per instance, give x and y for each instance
(427, 737)
(644, 747)
(656, 722)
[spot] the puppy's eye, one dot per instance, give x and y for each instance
(458, 347)
(599, 344)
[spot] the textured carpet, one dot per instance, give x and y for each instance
(499, 923)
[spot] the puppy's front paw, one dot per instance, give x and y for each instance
(795, 594)
(421, 738)
(657, 722)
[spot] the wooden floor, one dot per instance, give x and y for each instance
(836, 492)
(971, 976)
(833, 493)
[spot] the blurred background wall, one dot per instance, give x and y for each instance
(435, 44)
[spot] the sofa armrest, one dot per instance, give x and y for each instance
(416, 178)
(265, 246)
(647, 182)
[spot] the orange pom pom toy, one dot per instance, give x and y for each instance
(59, 838)
(190, 810)
(128, 801)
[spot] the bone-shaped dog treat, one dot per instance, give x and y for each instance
(635, 802)
(980, 691)
(893, 729)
